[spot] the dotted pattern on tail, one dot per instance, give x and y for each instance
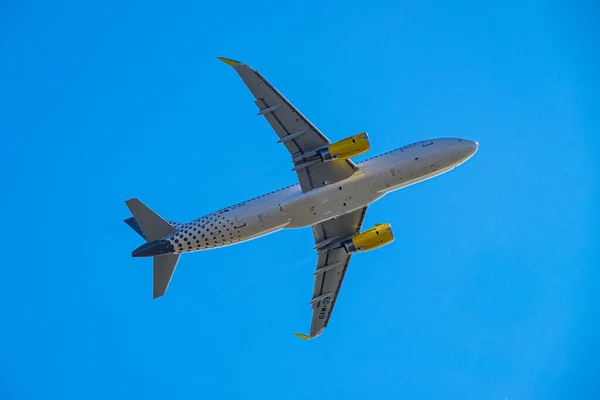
(214, 230)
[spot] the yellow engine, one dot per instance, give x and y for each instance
(347, 148)
(371, 239)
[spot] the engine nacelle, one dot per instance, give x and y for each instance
(346, 148)
(371, 239)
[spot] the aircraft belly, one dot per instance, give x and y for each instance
(404, 169)
(331, 201)
(228, 227)
(337, 202)
(261, 220)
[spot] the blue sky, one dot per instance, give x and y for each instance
(488, 292)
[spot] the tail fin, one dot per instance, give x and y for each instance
(164, 266)
(150, 224)
(152, 228)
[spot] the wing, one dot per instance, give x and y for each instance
(296, 132)
(331, 267)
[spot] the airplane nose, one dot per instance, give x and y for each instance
(156, 248)
(470, 147)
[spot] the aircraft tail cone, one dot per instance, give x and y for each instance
(156, 248)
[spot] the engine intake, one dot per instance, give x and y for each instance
(378, 236)
(346, 148)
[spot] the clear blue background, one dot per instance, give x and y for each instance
(488, 292)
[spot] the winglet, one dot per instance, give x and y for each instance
(228, 61)
(301, 336)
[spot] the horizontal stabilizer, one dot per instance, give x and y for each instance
(152, 226)
(164, 266)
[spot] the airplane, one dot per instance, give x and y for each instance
(332, 196)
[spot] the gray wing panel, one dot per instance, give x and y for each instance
(334, 263)
(294, 130)
(285, 119)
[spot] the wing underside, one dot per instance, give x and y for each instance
(331, 267)
(295, 131)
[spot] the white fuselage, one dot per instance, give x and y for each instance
(291, 208)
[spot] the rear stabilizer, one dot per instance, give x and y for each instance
(164, 266)
(153, 228)
(149, 223)
(134, 225)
